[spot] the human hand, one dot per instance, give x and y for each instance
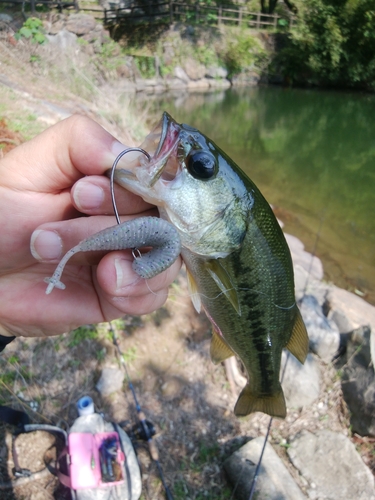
(48, 187)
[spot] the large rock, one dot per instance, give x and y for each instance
(323, 334)
(311, 263)
(274, 481)
(63, 40)
(80, 24)
(332, 466)
(308, 269)
(194, 70)
(198, 84)
(301, 383)
(354, 311)
(358, 383)
(180, 73)
(110, 381)
(216, 72)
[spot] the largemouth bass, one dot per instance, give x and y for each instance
(238, 262)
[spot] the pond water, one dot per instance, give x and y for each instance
(311, 153)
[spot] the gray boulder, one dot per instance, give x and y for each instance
(323, 333)
(63, 40)
(180, 73)
(356, 311)
(301, 383)
(332, 466)
(274, 481)
(358, 383)
(310, 263)
(194, 70)
(5, 18)
(216, 72)
(80, 24)
(110, 381)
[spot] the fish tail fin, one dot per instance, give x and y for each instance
(248, 402)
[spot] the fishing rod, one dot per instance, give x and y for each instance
(146, 428)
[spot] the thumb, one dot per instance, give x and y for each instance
(59, 156)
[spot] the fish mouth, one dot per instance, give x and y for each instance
(139, 173)
(161, 144)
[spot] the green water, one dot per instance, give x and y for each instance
(312, 154)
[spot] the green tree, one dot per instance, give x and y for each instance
(333, 44)
(269, 6)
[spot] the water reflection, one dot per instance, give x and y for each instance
(311, 153)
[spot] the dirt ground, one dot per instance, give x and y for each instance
(188, 399)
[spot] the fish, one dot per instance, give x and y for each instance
(239, 266)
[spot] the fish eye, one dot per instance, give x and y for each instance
(201, 165)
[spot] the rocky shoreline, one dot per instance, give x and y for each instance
(81, 32)
(341, 329)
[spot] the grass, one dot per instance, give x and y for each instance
(78, 336)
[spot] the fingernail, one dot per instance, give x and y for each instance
(88, 196)
(117, 148)
(131, 156)
(45, 245)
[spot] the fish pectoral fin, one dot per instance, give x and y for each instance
(222, 279)
(193, 291)
(298, 344)
(248, 402)
(219, 349)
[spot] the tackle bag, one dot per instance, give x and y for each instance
(101, 461)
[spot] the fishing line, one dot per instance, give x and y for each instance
(314, 251)
(256, 474)
(200, 294)
(145, 426)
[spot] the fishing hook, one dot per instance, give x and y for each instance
(128, 150)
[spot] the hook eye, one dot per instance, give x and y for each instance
(123, 153)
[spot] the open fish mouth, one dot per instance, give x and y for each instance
(139, 172)
(161, 144)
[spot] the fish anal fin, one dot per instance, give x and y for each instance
(222, 279)
(298, 344)
(193, 291)
(248, 402)
(219, 349)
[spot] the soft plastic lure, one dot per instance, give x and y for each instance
(143, 232)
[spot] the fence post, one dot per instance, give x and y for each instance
(258, 20)
(197, 12)
(240, 17)
(171, 11)
(219, 16)
(275, 21)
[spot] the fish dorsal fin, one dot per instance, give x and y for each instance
(219, 349)
(298, 344)
(222, 279)
(193, 291)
